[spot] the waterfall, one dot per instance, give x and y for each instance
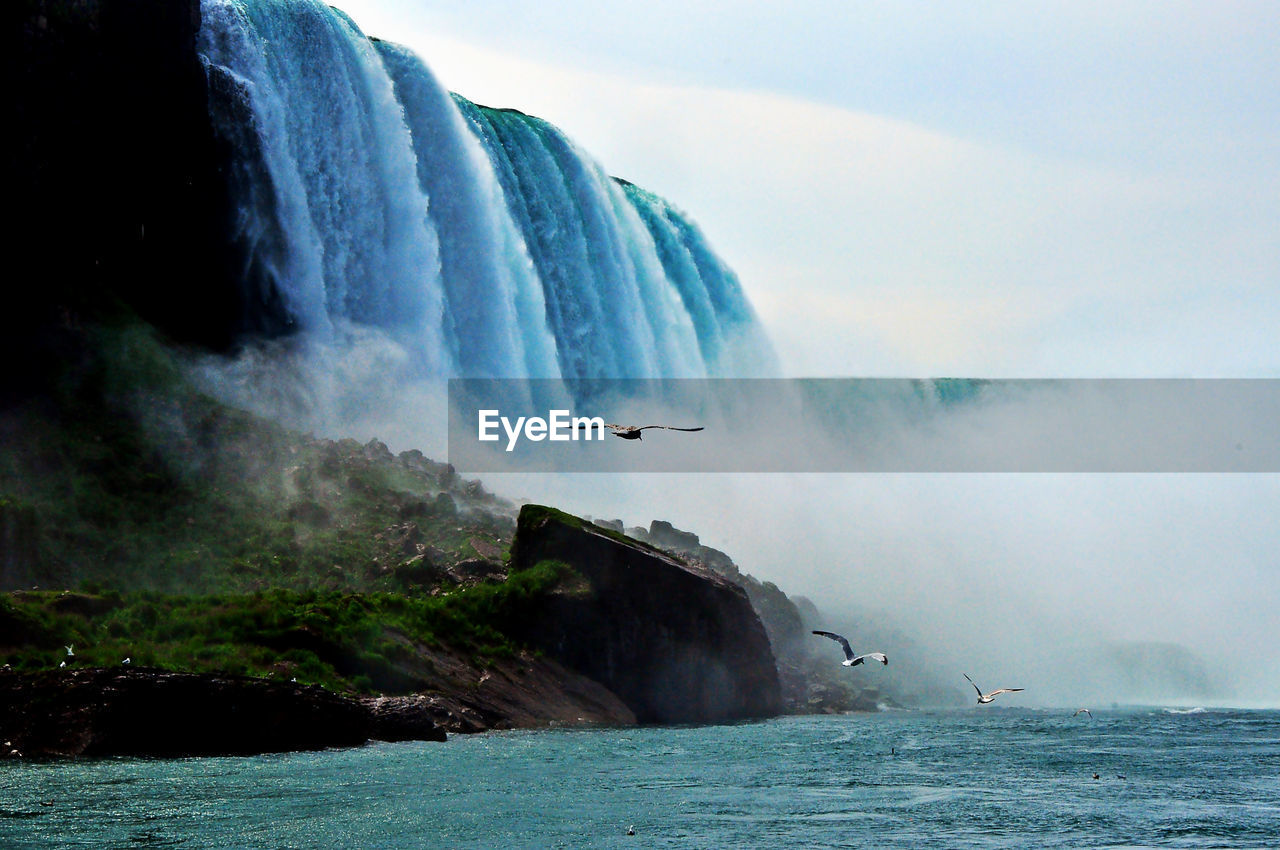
(482, 240)
(494, 299)
(345, 214)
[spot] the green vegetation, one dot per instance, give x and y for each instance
(141, 518)
(128, 478)
(344, 641)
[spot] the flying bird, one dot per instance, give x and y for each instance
(70, 650)
(632, 432)
(851, 660)
(1083, 711)
(983, 699)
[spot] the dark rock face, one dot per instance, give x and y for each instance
(523, 692)
(118, 175)
(402, 719)
(19, 540)
(780, 616)
(667, 536)
(677, 644)
(101, 712)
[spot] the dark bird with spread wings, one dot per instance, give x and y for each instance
(632, 432)
(983, 699)
(851, 660)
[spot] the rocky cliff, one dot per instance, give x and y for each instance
(677, 643)
(812, 681)
(117, 174)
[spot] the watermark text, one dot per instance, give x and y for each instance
(558, 426)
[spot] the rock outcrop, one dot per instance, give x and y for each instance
(811, 682)
(676, 643)
(522, 692)
(118, 174)
(147, 712)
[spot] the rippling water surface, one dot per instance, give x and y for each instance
(970, 778)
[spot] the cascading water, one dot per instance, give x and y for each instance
(481, 240)
(347, 218)
(596, 285)
(497, 319)
(730, 338)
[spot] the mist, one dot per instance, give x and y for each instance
(1034, 581)
(1083, 588)
(359, 382)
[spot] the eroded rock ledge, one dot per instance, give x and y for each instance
(149, 712)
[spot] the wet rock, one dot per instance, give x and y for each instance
(677, 644)
(407, 718)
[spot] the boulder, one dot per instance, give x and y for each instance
(406, 718)
(665, 535)
(677, 644)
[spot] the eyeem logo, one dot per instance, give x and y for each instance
(558, 426)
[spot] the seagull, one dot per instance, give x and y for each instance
(983, 699)
(851, 660)
(127, 661)
(1083, 711)
(70, 650)
(632, 432)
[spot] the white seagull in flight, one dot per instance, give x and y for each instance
(851, 660)
(983, 699)
(1083, 711)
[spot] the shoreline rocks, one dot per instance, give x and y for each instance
(151, 712)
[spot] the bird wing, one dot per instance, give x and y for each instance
(975, 687)
(1003, 691)
(848, 650)
(878, 656)
(669, 428)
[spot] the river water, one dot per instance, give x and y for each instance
(980, 777)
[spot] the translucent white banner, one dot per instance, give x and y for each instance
(864, 425)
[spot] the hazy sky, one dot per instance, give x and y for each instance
(1065, 189)
(909, 189)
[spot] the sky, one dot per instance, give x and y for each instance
(905, 189)
(1064, 189)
